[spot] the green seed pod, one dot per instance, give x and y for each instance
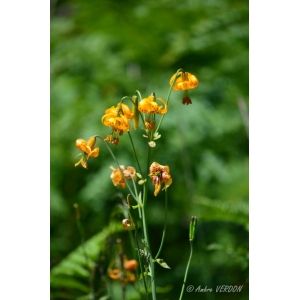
(136, 112)
(193, 224)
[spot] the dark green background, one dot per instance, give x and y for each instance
(104, 50)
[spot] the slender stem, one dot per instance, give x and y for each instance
(145, 229)
(125, 97)
(132, 144)
(141, 266)
(187, 270)
(152, 265)
(134, 186)
(138, 248)
(165, 224)
(139, 94)
(113, 156)
(168, 98)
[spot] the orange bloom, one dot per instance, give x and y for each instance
(149, 105)
(131, 264)
(117, 177)
(117, 118)
(88, 149)
(160, 174)
(127, 274)
(185, 81)
(114, 273)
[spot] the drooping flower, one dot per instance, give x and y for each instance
(184, 81)
(88, 150)
(149, 105)
(160, 174)
(117, 118)
(117, 177)
(130, 264)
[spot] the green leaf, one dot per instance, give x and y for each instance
(162, 263)
(73, 272)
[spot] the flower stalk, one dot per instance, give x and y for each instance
(144, 111)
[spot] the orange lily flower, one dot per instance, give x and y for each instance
(160, 174)
(184, 82)
(88, 149)
(117, 118)
(117, 177)
(149, 105)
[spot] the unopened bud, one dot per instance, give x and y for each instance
(193, 224)
(127, 223)
(136, 113)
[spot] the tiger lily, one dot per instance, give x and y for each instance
(117, 118)
(149, 105)
(117, 177)
(184, 81)
(160, 174)
(88, 150)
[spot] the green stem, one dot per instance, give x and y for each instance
(187, 270)
(165, 224)
(113, 156)
(125, 97)
(132, 144)
(152, 265)
(141, 266)
(138, 248)
(145, 229)
(168, 98)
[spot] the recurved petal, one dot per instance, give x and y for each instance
(81, 144)
(162, 110)
(183, 85)
(145, 106)
(94, 153)
(157, 189)
(167, 183)
(126, 111)
(121, 123)
(112, 110)
(108, 120)
(172, 79)
(193, 81)
(91, 142)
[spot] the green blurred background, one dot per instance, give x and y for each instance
(104, 50)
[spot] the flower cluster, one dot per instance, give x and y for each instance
(118, 118)
(160, 174)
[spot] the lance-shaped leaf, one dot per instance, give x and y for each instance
(162, 263)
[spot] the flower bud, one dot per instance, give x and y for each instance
(193, 224)
(127, 223)
(136, 113)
